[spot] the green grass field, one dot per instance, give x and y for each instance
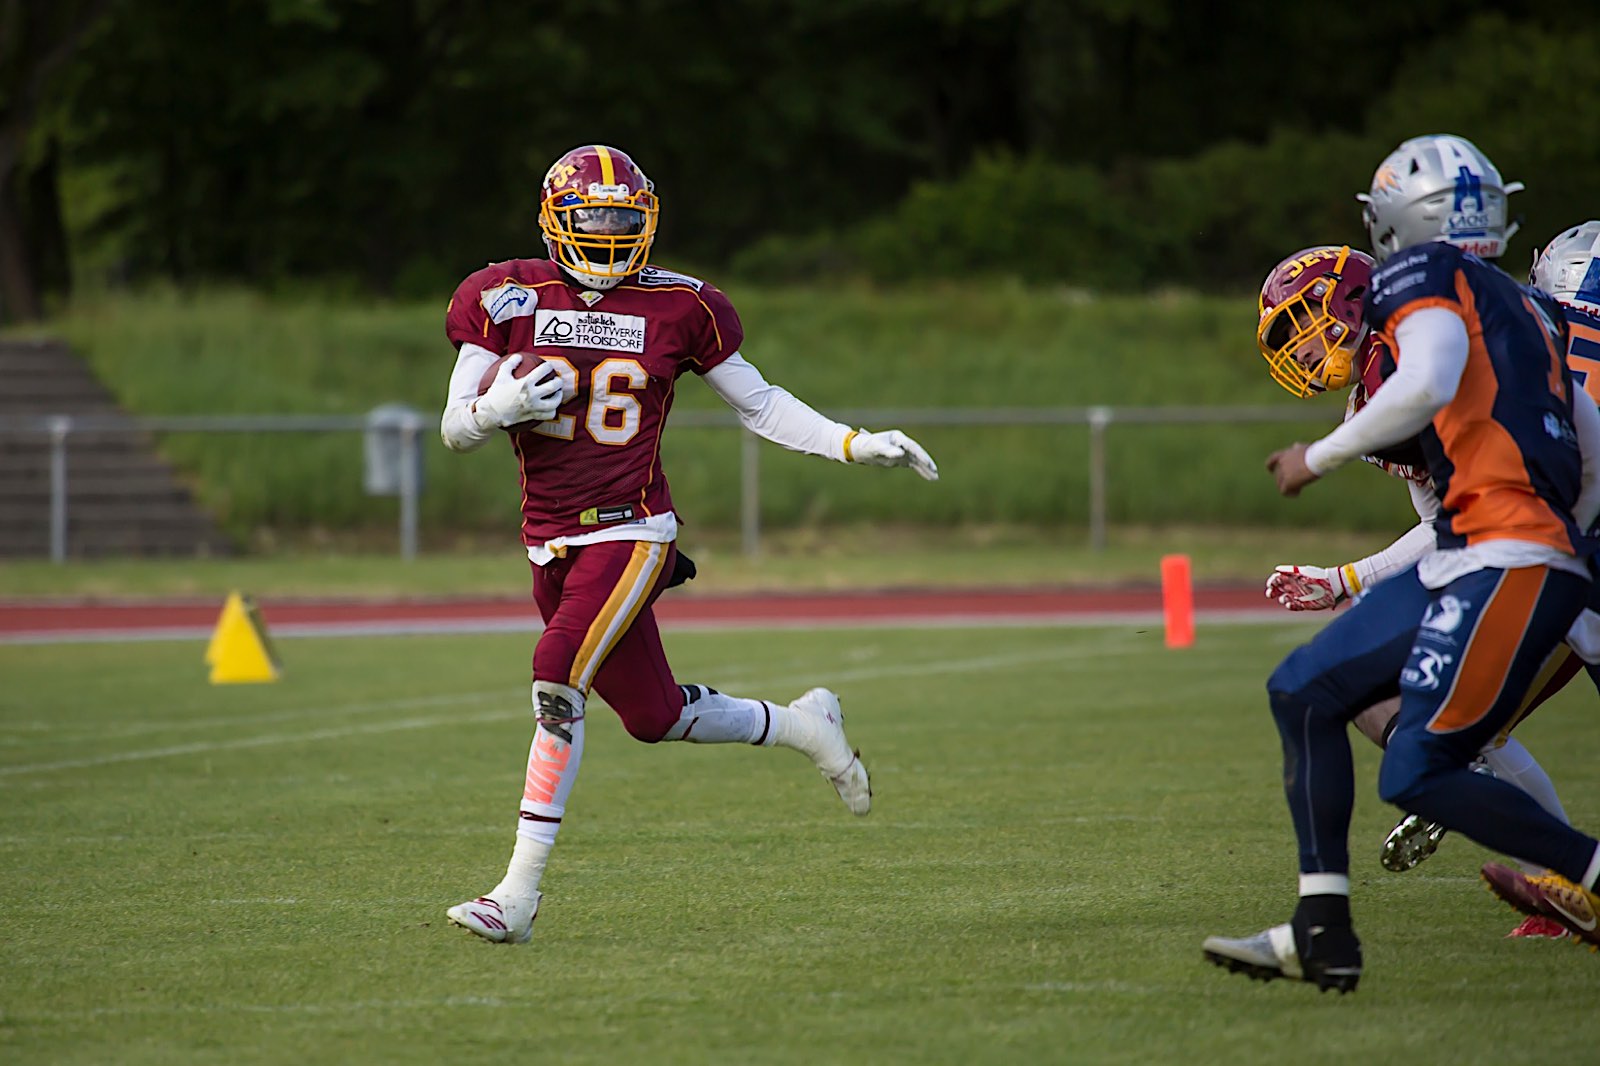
(259, 874)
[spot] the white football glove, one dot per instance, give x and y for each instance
(892, 448)
(1308, 588)
(511, 400)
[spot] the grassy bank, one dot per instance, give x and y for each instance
(234, 352)
(853, 557)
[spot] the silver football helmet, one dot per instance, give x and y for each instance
(1569, 266)
(1438, 188)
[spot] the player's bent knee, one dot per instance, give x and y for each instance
(557, 708)
(648, 725)
(1293, 677)
(1291, 704)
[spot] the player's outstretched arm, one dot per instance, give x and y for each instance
(1432, 353)
(775, 414)
(1312, 588)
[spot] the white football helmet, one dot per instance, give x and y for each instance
(1569, 266)
(1438, 188)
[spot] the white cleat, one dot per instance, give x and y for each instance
(501, 922)
(1267, 955)
(821, 725)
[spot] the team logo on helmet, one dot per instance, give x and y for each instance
(1438, 188)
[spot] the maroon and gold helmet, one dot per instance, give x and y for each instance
(598, 214)
(1311, 328)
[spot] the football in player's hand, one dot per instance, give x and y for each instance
(521, 370)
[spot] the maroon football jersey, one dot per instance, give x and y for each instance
(619, 353)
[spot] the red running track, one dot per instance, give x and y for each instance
(46, 621)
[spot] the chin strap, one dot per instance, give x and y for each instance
(591, 283)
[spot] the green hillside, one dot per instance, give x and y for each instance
(841, 349)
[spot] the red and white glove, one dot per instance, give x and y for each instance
(1311, 588)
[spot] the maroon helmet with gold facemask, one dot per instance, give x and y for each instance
(598, 213)
(1310, 330)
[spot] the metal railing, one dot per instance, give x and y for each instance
(1097, 420)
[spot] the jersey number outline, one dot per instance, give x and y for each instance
(605, 401)
(1585, 373)
(1555, 341)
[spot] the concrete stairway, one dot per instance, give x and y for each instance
(122, 498)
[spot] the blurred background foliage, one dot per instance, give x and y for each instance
(390, 146)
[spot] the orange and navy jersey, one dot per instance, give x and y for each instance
(1583, 348)
(620, 353)
(1403, 459)
(1503, 453)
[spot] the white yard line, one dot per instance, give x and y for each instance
(235, 722)
(320, 1007)
(205, 747)
(1113, 644)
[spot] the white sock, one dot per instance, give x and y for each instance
(553, 760)
(1324, 884)
(1515, 764)
(709, 717)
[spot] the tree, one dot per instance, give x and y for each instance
(37, 37)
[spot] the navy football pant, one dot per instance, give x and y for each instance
(1462, 658)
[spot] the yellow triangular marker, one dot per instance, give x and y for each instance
(240, 650)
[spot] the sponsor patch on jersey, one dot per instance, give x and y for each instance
(1560, 429)
(1446, 615)
(600, 516)
(1395, 266)
(657, 276)
(590, 297)
(1405, 281)
(589, 329)
(509, 301)
(1428, 671)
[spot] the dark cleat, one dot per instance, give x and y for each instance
(1334, 960)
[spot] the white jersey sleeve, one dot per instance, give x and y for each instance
(1433, 347)
(773, 413)
(1405, 552)
(459, 430)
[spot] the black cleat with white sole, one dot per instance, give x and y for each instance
(1326, 956)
